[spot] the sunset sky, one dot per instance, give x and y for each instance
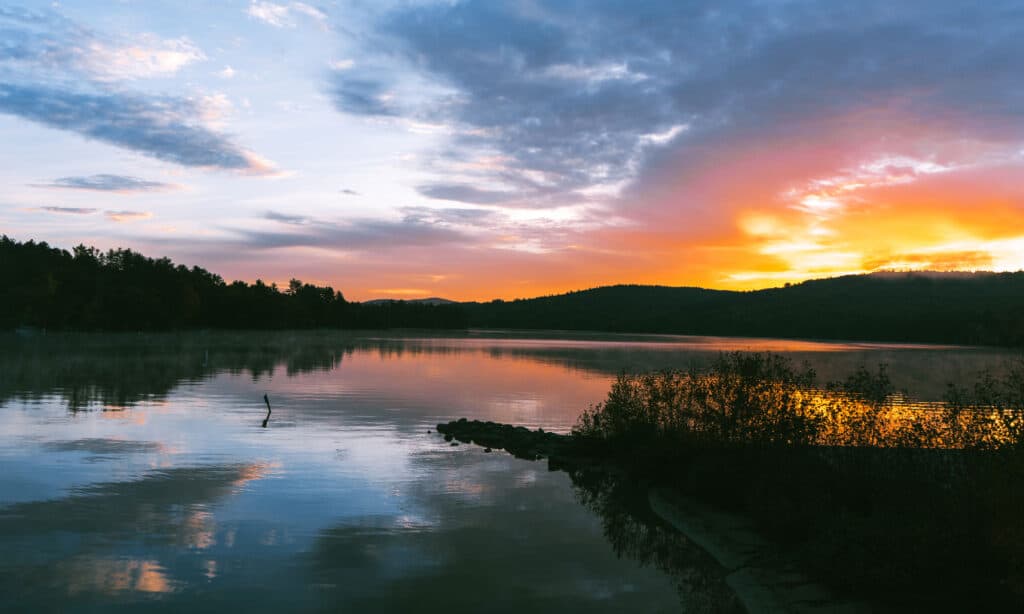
(484, 149)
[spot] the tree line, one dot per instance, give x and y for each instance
(87, 289)
(122, 290)
(963, 308)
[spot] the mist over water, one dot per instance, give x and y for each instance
(134, 471)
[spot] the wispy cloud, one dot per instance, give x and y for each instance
(283, 15)
(164, 128)
(110, 214)
(363, 95)
(46, 40)
(70, 210)
(284, 218)
(109, 183)
(466, 193)
(127, 216)
(354, 235)
(58, 73)
(147, 57)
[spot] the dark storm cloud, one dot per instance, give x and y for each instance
(108, 183)
(585, 91)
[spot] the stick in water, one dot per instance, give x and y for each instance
(267, 401)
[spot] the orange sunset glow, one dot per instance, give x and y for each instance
(473, 154)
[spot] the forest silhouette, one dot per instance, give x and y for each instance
(122, 290)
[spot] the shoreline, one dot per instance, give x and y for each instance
(760, 576)
(764, 580)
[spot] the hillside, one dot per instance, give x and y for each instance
(86, 289)
(972, 308)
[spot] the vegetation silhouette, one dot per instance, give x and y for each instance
(122, 290)
(962, 308)
(86, 289)
(907, 507)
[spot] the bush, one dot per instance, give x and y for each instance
(756, 398)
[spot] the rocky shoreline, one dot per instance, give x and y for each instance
(561, 451)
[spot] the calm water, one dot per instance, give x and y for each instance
(134, 473)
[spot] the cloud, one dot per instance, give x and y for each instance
(163, 128)
(112, 215)
(109, 183)
(284, 218)
(57, 73)
(465, 193)
(46, 40)
(363, 95)
(70, 210)
(357, 235)
(149, 57)
(591, 99)
(283, 15)
(127, 216)
(450, 215)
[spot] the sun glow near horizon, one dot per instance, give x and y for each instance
(475, 151)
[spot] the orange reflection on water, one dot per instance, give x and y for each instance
(519, 389)
(112, 576)
(199, 529)
(847, 420)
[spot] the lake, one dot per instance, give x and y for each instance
(134, 472)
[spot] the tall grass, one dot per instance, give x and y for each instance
(764, 400)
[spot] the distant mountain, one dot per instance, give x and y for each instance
(970, 308)
(418, 301)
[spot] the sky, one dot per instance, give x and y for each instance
(486, 149)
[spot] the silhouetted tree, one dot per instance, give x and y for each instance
(87, 289)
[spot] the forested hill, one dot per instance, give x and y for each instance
(970, 308)
(86, 289)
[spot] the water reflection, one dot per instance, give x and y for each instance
(113, 575)
(117, 371)
(634, 532)
(483, 540)
(159, 488)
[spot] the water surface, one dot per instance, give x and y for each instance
(134, 472)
